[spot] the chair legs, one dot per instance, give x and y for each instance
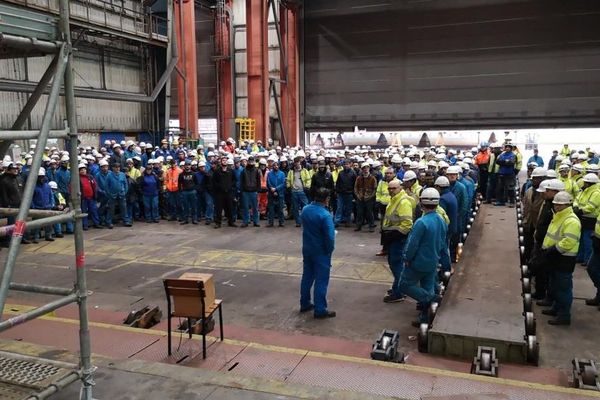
(190, 327)
(169, 333)
(221, 321)
(203, 338)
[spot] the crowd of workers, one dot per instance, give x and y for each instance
(401, 192)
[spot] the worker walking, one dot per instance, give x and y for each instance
(397, 223)
(425, 248)
(318, 243)
(560, 248)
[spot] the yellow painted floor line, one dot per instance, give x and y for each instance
(12, 309)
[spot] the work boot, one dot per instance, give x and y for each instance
(244, 226)
(381, 254)
(308, 308)
(257, 225)
(59, 235)
(49, 239)
(217, 226)
(550, 312)
(232, 225)
(184, 223)
(595, 301)
(559, 321)
(328, 314)
(358, 228)
(371, 229)
(270, 225)
(390, 298)
(545, 303)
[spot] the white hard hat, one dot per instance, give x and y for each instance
(365, 165)
(563, 167)
(533, 164)
(455, 169)
(442, 181)
(551, 174)
(414, 165)
(103, 162)
(562, 198)
(42, 171)
(430, 197)
(53, 185)
(406, 161)
(376, 164)
(396, 159)
(210, 154)
(230, 161)
(432, 163)
(282, 159)
(181, 163)
(468, 160)
(555, 184)
(82, 165)
(262, 161)
(64, 158)
(578, 167)
(592, 167)
(443, 164)
(543, 186)
(409, 175)
(582, 156)
(539, 172)
(591, 178)
(273, 157)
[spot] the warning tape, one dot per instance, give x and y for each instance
(19, 228)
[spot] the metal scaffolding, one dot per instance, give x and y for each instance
(60, 70)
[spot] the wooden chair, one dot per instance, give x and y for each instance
(188, 291)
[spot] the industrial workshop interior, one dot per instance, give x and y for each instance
(299, 199)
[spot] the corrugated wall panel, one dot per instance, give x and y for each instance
(462, 63)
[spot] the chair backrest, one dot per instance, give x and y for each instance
(187, 297)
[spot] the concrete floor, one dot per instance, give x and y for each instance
(257, 273)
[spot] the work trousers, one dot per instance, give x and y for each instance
(89, 207)
(585, 246)
(364, 213)
(315, 272)
(223, 202)
(189, 202)
(104, 210)
(299, 200)
(420, 286)
(174, 204)
(395, 257)
(250, 201)
(112, 203)
(505, 189)
(151, 208)
(562, 292)
(490, 192)
(593, 270)
(483, 182)
(344, 208)
(275, 205)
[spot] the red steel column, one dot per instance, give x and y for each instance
(226, 116)
(289, 90)
(188, 117)
(257, 54)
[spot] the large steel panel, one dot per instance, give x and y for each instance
(461, 63)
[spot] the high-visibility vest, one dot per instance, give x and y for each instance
(564, 233)
(570, 186)
(172, 179)
(399, 214)
(597, 227)
(442, 213)
(588, 201)
(263, 179)
(383, 195)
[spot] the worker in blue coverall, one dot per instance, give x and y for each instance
(460, 191)
(425, 249)
(276, 198)
(449, 203)
(116, 191)
(318, 243)
(63, 181)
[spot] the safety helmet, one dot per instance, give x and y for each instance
(409, 175)
(376, 164)
(455, 169)
(563, 167)
(543, 186)
(555, 184)
(262, 161)
(432, 163)
(230, 161)
(396, 159)
(430, 197)
(592, 167)
(562, 198)
(443, 164)
(442, 181)
(539, 172)
(551, 174)
(591, 178)
(365, 165)
(82, 165)
(42, 171)
(103, 162)
(578, 167)
(52, 185)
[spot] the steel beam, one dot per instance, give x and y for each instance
(8, 230)
(257, 53)
(26, 135)
(288, 26)
(225, 70)
(28, 44)
(187, 91)
(32, 212)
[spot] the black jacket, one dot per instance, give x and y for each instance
(345, 181)
(321, 180)
(222, 181)
(250, 179)
(10, 191)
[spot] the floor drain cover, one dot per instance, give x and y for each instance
(31, 374)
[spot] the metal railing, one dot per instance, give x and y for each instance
(59, 71)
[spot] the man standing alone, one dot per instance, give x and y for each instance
(318, 242)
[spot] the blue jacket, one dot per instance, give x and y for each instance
(460, 191)
(507, 161)
(237, 173)
(63, 179)
(318, 233)
(150, 184)
(536, 159)
(116, 185)
(276, 180)
(470, 186)
(426, 245)
(42, 197)
(94, 169)
(102, 180)
(449, 203)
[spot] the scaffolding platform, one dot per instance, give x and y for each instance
(483, 304)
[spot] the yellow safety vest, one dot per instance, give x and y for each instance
(399, 214)
(570, 186)
(597, 228)
(304, 176)
(382, 195)
(564, 233)
(588, 201)
(442, 213)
